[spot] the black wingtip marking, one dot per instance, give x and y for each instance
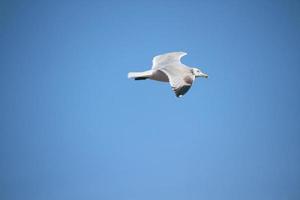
(140, 78)
(182, 90)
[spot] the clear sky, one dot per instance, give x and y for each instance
(72, 126)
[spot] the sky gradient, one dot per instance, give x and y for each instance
(72, 126)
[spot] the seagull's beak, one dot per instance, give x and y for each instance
(203, 75)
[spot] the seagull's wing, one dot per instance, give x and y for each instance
(167, 59)
(180, 79)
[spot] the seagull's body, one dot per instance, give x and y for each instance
(168, 68)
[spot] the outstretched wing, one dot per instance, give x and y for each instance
(180, 80)
(166, 59)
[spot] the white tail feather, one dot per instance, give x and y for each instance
(140, 75)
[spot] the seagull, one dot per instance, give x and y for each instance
(168, 68)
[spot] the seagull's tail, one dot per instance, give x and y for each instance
(140, 75)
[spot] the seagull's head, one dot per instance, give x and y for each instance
(198, 73)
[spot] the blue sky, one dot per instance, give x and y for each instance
(72, 126)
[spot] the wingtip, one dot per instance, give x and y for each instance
(181, 52)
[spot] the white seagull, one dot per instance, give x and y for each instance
(168, 68)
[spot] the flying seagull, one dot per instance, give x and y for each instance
(168, 68)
